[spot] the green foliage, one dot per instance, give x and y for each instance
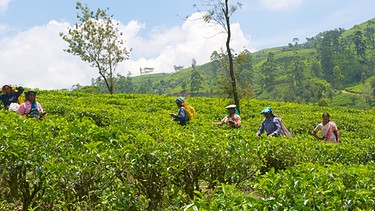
(224, 197)
(195, 81)
(97, 40)
(323, 102)
(220, 12)
(123, 151)
(331, 187)
(88, 89)
(339, 59)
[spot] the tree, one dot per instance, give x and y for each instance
(269, 72)
(177, 68)
(327, 49)
(76, 87)
(368, 92)
(97, 40)
(360, 45)
(90, 89)
(147, 70)
(316, 69)
(196, 78)
(160, 87)
(215, 63)
(370, 42)
(244, 76)
(125, 84)
(338, 77)
(295, 40)
(220, 13)
(145, 88)
(183, 85)
(297, 75)
(193, 63)
(315, 89)
(295, 46)
(99, 82)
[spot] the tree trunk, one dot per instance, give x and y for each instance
(231, 69)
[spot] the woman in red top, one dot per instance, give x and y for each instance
(233, 118)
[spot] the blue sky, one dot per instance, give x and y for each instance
(31, 51)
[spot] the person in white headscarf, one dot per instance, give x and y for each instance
(233, 118)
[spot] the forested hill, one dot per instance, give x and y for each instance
(335, 67)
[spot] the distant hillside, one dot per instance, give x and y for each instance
(313, 71)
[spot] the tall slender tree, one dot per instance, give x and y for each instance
(327, 49)
(269, 73)
(370, 43)
(360, 45)
(195, 78)
(97, 40)
(220, 12)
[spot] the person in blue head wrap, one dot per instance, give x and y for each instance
(233, 118)
(270, 124)
(182, 116)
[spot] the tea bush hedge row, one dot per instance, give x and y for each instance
(124, 152)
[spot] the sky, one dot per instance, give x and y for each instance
(162, 34)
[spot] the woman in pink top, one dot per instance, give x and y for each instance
(30, 107)
(328, 129)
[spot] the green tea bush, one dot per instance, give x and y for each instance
(124, 152)
(317, 187)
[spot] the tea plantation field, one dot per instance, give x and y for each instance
(124, 152)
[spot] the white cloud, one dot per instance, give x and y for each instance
(35, 58)
(3, 28)
(280, 4)
(179, 45)
(4, 5)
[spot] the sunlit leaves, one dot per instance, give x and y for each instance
(98, 41)
(125, 152)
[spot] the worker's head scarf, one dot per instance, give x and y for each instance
(234, 107)
(180, 100)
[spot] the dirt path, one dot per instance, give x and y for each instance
(346, 92)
